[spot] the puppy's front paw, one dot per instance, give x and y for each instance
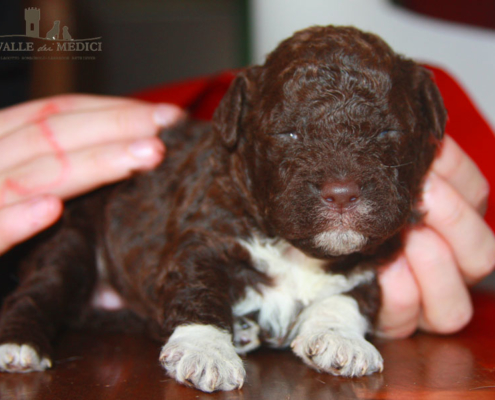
(203, 356)
(339, 353)
(21, 358)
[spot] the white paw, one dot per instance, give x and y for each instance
(339, 353)
(21, 358)
(246, 335)
(203, 356)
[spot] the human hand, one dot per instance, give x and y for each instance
(427, 286)
(57, 148)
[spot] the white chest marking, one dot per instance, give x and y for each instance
(298, 280)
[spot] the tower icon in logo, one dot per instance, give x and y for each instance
(32, 17)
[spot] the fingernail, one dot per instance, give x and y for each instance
(167, 114)
(427, 184)
(143, 149)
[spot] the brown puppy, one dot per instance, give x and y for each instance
(266, 226)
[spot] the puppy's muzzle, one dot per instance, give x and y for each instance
(341, 196)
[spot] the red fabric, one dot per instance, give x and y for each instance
(465, 124)
(470, 130)
(478, 13)
(199, 96)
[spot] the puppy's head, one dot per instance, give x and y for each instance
(336, 133)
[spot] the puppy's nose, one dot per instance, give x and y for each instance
(341, 195)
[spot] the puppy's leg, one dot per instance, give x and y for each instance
(59, 279)
(198, 319)
(331, 338)
(203, 356)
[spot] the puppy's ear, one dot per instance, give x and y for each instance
(433, 112)
(228, 115)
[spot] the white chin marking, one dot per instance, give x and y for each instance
(21, 358)
(339, 242)
(204, 357)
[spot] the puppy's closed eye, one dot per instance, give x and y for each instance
(289, 136)
(390, 134)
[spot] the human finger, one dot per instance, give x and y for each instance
(22, 220)
(446, 304)
(398, 317)
(457, 168)
(25, 113)
(461, 226)
(63, 133)
(84, 170)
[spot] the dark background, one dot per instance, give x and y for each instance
(144, 43)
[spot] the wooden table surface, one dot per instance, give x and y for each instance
(103, 366)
